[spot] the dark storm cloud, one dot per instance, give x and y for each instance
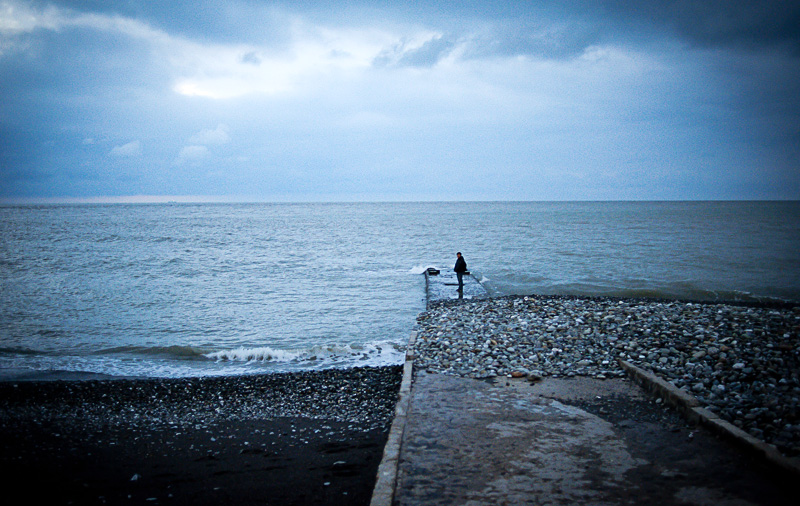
(721, 23)
(544, 28)
(579, 23)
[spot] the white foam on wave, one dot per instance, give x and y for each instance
(50, 367)
(419, 269)
(224, 362)
(379, 353)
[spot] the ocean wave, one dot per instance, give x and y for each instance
(5, 350)
(695, 294)
(174, 351)
(381, 353)
(676, 290)
(419, 269)
(187, 361)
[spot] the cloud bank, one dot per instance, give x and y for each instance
(481, 100)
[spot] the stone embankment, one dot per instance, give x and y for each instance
(741, 362)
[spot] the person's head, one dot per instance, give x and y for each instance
(458, 254)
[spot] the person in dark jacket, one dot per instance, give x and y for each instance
(460, 268)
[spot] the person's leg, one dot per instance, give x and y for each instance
(460, 276)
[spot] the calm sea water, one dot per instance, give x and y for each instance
(185, 290)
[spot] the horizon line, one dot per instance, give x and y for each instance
(216, 199)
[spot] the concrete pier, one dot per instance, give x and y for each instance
(576, 441)
(443, 285)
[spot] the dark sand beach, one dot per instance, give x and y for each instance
(293, 438)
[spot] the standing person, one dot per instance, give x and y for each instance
(460, 268)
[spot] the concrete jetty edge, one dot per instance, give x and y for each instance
(681, 400)
(689, 407)
(386, 481)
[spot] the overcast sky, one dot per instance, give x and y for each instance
(484, 100)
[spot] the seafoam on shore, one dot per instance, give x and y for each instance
(740, 361)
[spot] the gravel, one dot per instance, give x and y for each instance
(740, 361)
(293, 438)
(365, 397)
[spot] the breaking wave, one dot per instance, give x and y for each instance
(374, 354)
(419, 269)
(136, 361)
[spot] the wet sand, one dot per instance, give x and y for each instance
(295, 438)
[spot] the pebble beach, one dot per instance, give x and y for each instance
(313, 437)
(740, 361)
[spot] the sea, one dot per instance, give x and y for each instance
(185, 290)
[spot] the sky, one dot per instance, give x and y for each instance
(244, 100)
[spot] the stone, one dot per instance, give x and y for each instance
(749, 349)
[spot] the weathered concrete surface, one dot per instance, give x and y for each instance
(688, 406)
(444, 286)
(569, 441)
(386, 479)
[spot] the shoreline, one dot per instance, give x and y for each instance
(311, 437)
(28, 375)
(317, 437)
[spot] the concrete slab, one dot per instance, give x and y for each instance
(386, 479)
(577, 441)
(444, 286)
(565, 441)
